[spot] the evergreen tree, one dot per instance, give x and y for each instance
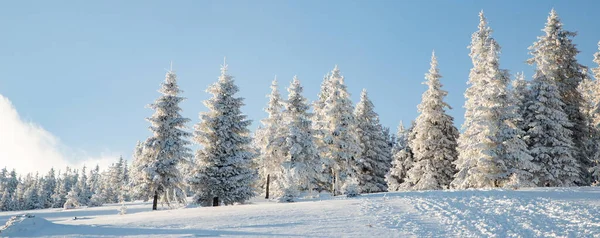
(47, 188)
(82, 188)
(340, 138)
(375, 151)
(139, 189)
(288, 183)
(594, 114)
(554, 55)
(516, 151)
(402, 160)
(94, 182)
(72, 200)
(223, 174)
(60, 191)
(6, 201)
(434, 144)
(270, 139)
(300, 154)
(491, 141)
(166, 148)
(320, 125)
(549, 137)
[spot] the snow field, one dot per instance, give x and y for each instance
(549, 212)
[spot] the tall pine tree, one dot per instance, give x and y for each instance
(548, 135)
(223, 173)
(269, 139)
(434, 143)
(375, 156)
(301, 162)
(166, 148)
(402, 160)
(342, 148)
(595, 118)
(517, 153)
(554, 55)
(491, 142)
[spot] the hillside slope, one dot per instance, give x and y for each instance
(570, 212)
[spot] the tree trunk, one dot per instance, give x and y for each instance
(215, 201)
(155, 200)
(268, 181)
(333, 184)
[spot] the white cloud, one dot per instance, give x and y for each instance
(27, 147)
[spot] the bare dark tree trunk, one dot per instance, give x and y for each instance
(155, 200)
(333, 184)
(215, 201)
(268, 181)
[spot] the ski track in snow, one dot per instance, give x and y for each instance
(541, 212)
(486, 214)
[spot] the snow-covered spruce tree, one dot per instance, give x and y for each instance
(515, 150)
(139, 189)
(166, 148)
(548, 135)
(491, 142)
(60, 192)
(83, 189)
(520, 94)
(300, 153)
(594, 98)
(72, 200)
(589, 90)
(434, 144)
(351, 188)
(374, 158)
(223, 174)
(402, 160)
(320, 125)
(6, 200)
(554, 55)
(95, 183)
(47, 187)
(270, 139)
(340, 138)
(288, 183)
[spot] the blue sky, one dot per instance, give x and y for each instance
(84, 70)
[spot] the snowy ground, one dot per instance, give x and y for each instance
(554, 212)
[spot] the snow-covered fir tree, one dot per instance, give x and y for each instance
(288, 183)
(300, 154)
(491, 143)
(402, 160)
(520, 94)
(95, 184)
(320, 125)
(594, 115)
(590, 92)
(138, 188)
(554, 55)
(83, 189)
(375, 156)
(270, 139)
(434, 144)
(548, 135)
(48, 185)
(351, 187)
(167, 147)
(342, 147)
(72, 200)
(59, 195)
(515, 149)
(223, 173)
